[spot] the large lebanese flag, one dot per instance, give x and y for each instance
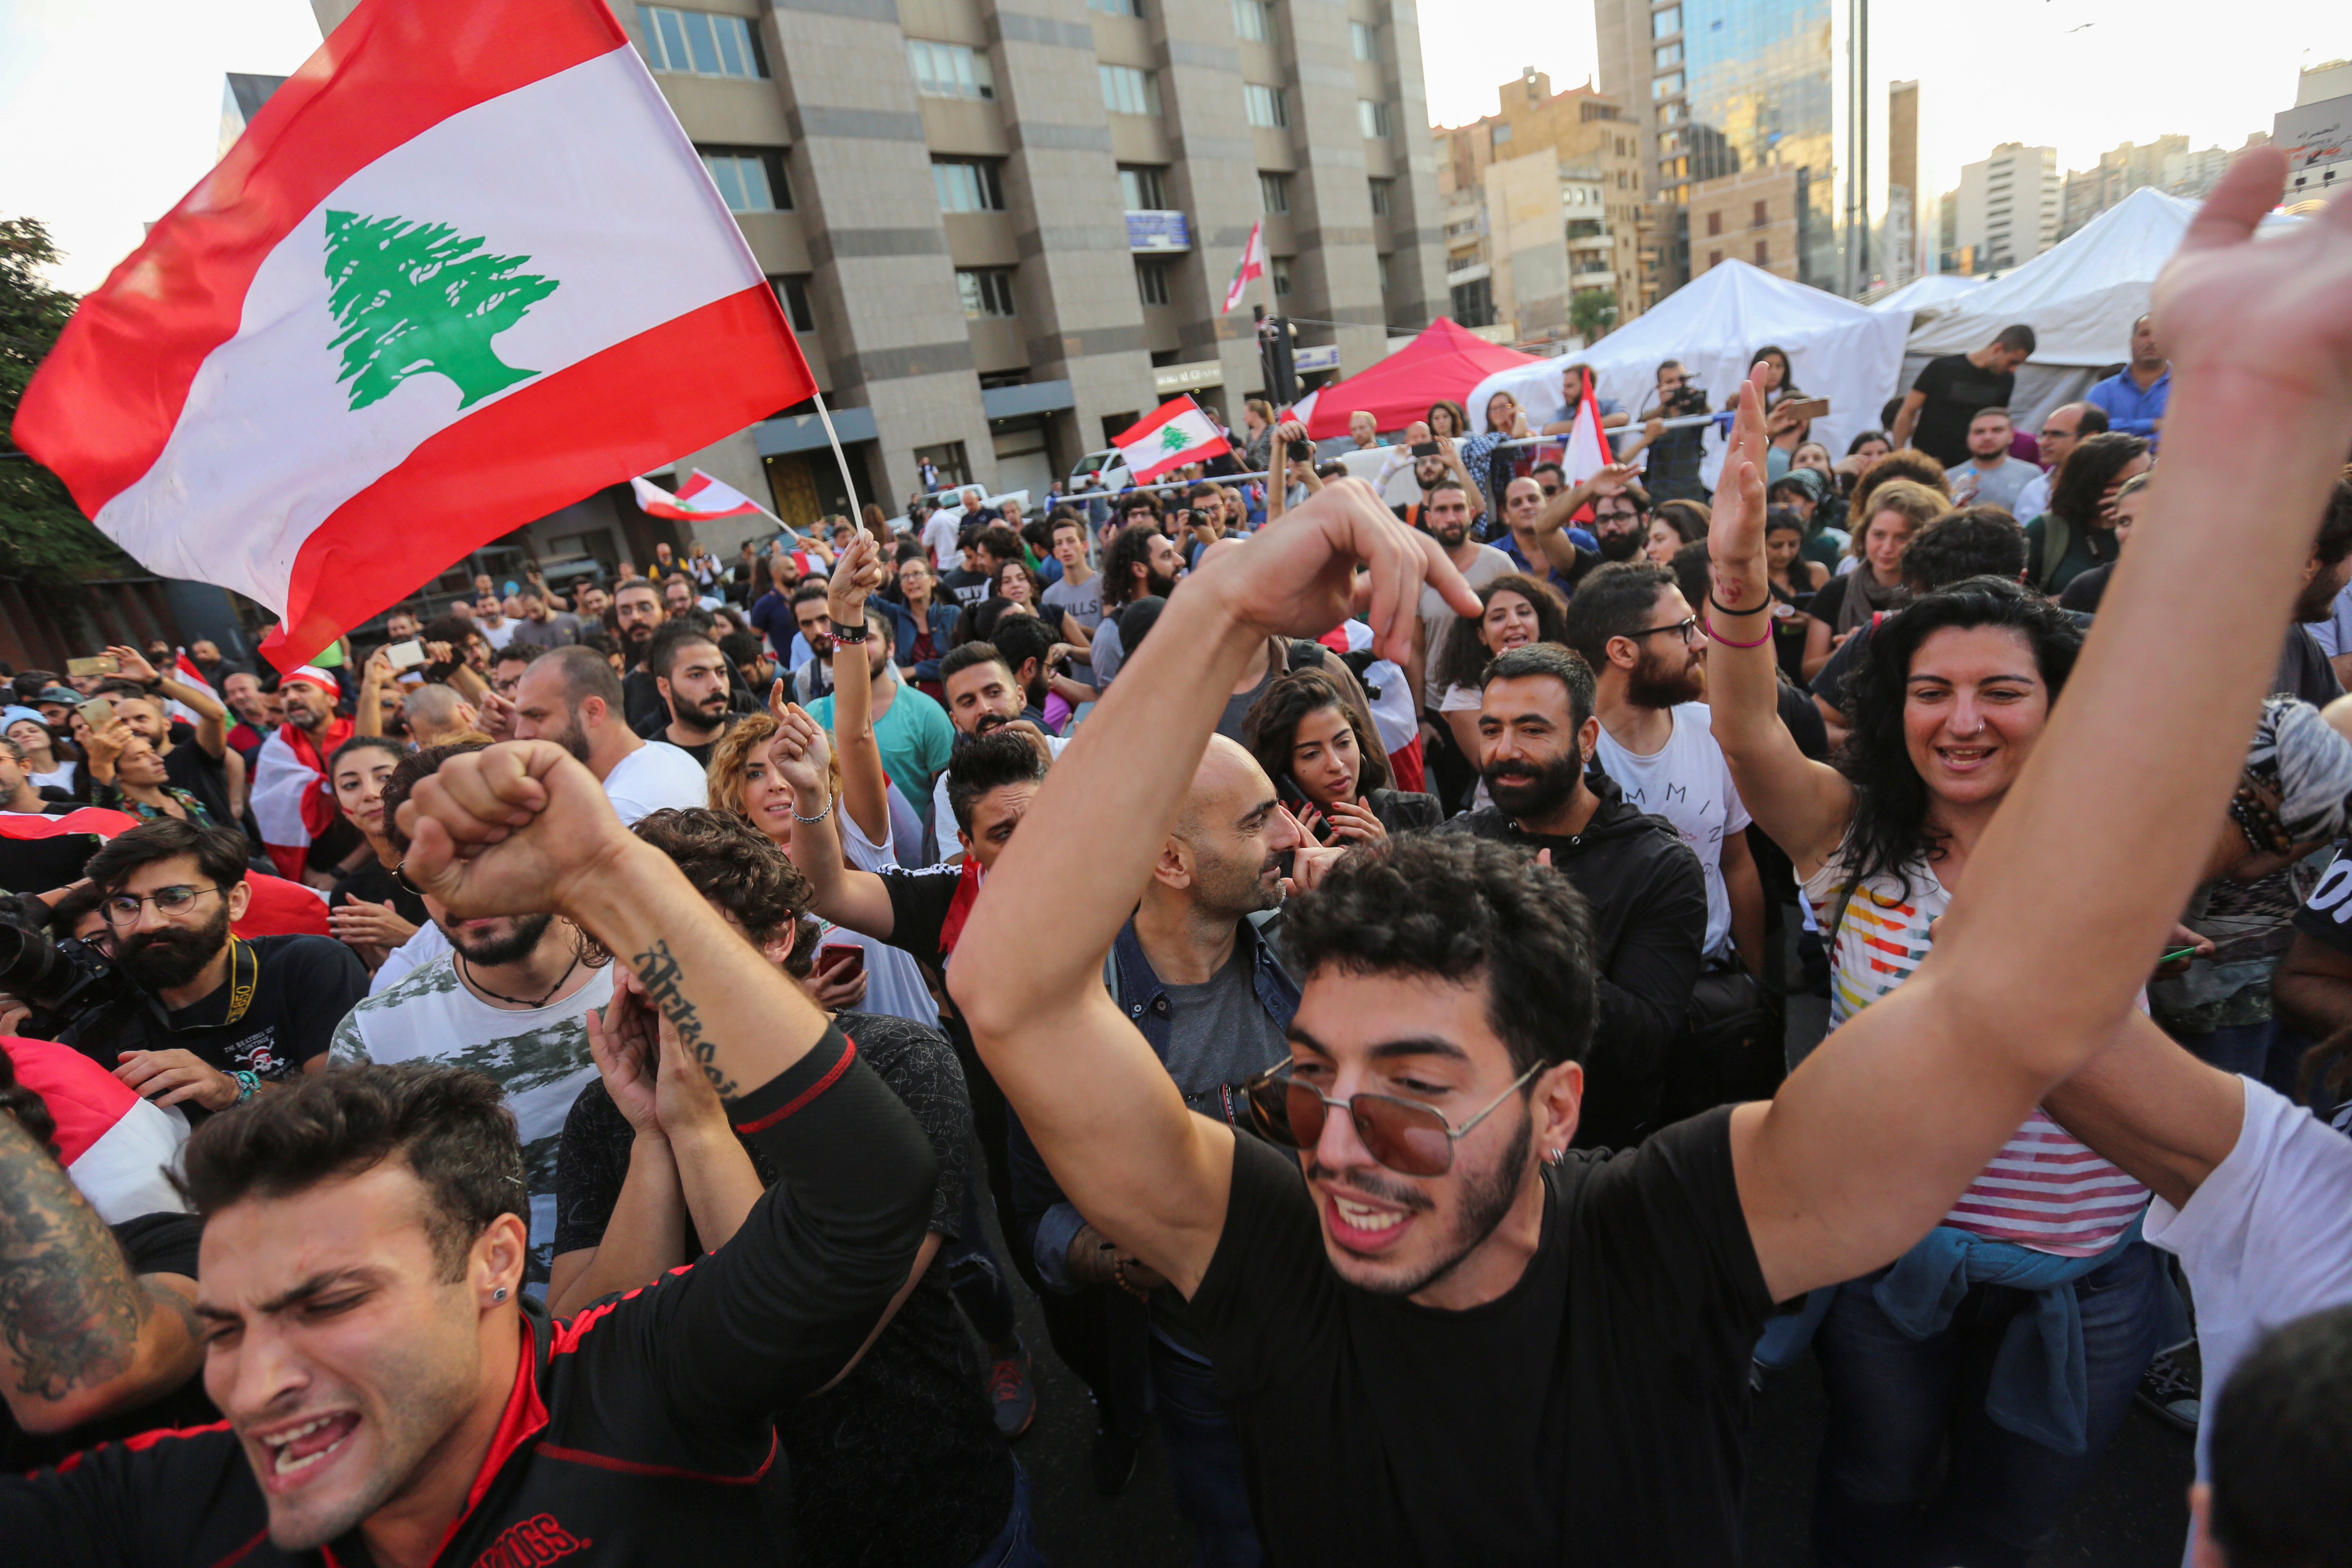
(463, 268)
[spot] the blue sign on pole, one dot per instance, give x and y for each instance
(1153, 229)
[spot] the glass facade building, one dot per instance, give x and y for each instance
(1737, 85)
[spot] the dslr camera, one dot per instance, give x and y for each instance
(1687, 399)
(68, 983)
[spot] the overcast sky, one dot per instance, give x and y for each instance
(109, 109)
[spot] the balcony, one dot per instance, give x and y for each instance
(1157, 231)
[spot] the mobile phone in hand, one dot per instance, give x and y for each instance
(840, 961)
(97, 713)
(406, 654)
(1424, 449)
(95, 665)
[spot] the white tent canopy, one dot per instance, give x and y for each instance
(1713, 324)
(1936, 290)
(2080, 297)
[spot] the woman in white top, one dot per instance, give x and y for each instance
(1518, 610)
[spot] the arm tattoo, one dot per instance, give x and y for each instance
(658, 968)
(70, 1311)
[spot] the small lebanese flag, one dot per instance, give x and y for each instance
(700, 497)
(1253, 265)
(1176, 433)
(463, 268)
(1587, 452)
(186, 673)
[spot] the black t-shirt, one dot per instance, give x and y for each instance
(302, 988)
(190, 767)
(374, 883)
(1956, 389)
(41, 865)
(907, 1430)
(1593, 1414)
(920, 902)
(968, 588)
(155, 1244)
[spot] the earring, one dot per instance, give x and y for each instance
(501, 1293)
(1554, 1156)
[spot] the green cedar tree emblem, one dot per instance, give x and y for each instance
(1172, 439)
(415, 297)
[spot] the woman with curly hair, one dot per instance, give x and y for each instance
(1949, 701)
(1518, 611)
(2078, 531)
(1318, 751)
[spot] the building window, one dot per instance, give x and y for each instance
(1714, 224)
(987, 291)
(1502, 133)
(1667, 86)
(1761, 219)
(792, 293)
(1254, 19)
(1280, 266)
(1117, 8)
(1273, 192)
(1382, 258)
(1668, 56)
(1373, 118)
(1126, 90)
(1665, 24)
(1672, 113)
(949, 460)
(1763, 253)
(950, 70)
(697, 42)
(1715, 259)
(750, 179)
(1151, 280)
(1381, 191)
(1266, 105)
(1366, 36)
(968, 184)
(1140, 184)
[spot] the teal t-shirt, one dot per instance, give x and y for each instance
(915, 737)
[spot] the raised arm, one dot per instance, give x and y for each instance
(844, 895)
(1802, 804)
(1028, 971)
(865, 788)
(211, 718)
(1874, 1136)
(80, 1335)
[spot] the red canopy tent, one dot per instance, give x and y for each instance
(1444, 360)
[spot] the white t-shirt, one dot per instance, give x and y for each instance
(539, 1056)
(1689, 783)
(1437, 617)
(427, 944)
(2033, 499)
(943, 822)
(499, 634)
(940, 537)
(2267, 1238)
(654, 776)
(894, 981)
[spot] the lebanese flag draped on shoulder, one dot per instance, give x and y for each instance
(463, 268)
(1176, 434)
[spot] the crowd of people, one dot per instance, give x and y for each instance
(598, 1070)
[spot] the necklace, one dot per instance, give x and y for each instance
(466, 970)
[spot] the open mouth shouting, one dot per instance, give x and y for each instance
(296, 1452)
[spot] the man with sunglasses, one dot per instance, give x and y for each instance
(1539, 733)
(1442, 1335)
(217, 1016)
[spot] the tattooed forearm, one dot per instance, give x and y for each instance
(658, 968)
(70, 1311)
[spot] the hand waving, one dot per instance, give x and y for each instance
(514, 829)
(1734, 536)
(133, 665)
(1297, 576)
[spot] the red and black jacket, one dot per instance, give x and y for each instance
(638, 1431)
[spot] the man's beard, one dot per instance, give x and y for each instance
(638, 633)
(519, 943)
(1545, 788)
(990, 721)
(572, 737)
(1486, 1198)
(1451, 535)
(1156, 584)
(163, 959)
(305, 718)
(1651, 687)
(706, 717)
(1615, 546)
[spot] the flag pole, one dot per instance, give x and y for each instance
(856, 518)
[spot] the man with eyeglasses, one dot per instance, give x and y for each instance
(2063, 428)
(217, 1016)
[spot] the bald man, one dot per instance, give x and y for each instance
(438, 717)
(1195, 968)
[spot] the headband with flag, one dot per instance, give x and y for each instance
(316, 677)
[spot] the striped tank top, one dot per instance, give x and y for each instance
(2044, 1190)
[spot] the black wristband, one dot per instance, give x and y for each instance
(843, 634)
(1727, 610)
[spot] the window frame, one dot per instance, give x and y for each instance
(744, 35)
(1373, 118)
(985, 179)
(792, 294)
(1358, 32)
(1383, 194)
(985, 287)
(1276, 101)
(1154, 272)
(771, 163)
(1114, 80)
(1268, 25)
(980, 85)
(1273, 186)
(1146, 180)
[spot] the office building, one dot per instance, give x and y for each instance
(1752, 216)
(1541, 203)
(1002, 235)
(2006, 209)
(1897, 254)
(2317, 135)
(1728, 87)
(2087, 193)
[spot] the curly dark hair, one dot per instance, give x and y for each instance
(1889, 834)
(1271, 726)
(1129, 548)
(1972, 541)
(1457, 908)
(1464, 658)
(450, 1126)
(735, 867)
(2096, 462)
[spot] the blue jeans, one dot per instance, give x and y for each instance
(1015, 1545)
(1204, 1462)
(1896, 1405)
(2235, 1047)
(974, 1278)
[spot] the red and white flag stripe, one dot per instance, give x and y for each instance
(195, 402)
(1253, 265)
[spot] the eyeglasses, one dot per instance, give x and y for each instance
(122, 908)
(1688, 627)
(1408, 1137)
